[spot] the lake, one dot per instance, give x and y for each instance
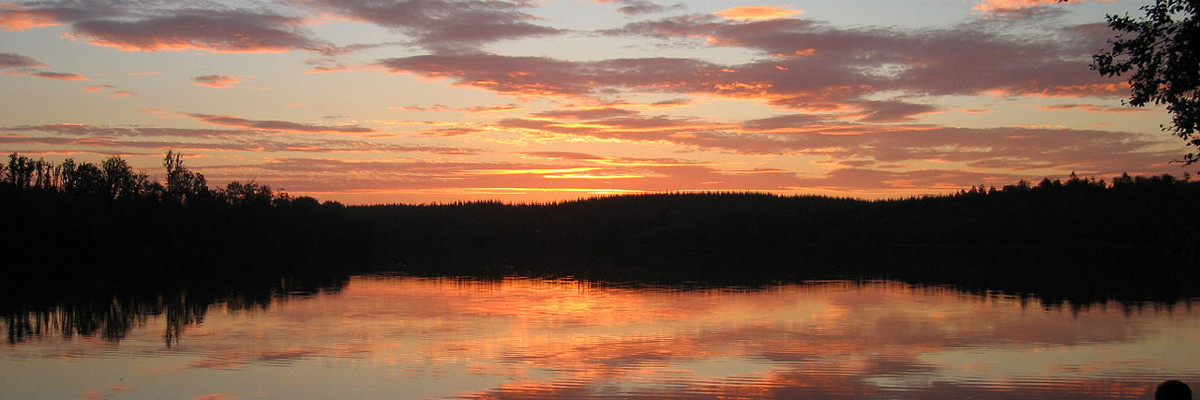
(399, 337)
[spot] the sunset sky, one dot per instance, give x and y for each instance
(415, 101)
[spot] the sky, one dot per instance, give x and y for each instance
(433, 101)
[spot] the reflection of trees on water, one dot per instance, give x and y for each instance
(112, 317)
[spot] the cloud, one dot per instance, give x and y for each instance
(752, 13)
(542, 76)
(640, 7)
(65, 76)
(815, 63)
(1003, 150)
(123, 93)
(625, 175)
(215, 396)
(209, 30)
(97, 88)
(493, 109)
(12, 60)
(92, 136)
(216, 81)
(1006, 5)
(17, 17)
(1092, 108)
(892, 111)
(280, 126)
(593, 113)
(27, 66)
(812, 66)
(444, 25)
(137, 26)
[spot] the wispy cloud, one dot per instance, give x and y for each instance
(216, 81)
(12, 60)
(65, 76)
(275, 125)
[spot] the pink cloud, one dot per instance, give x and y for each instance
(891, 111)
(216, 81)
(1002, 5)
(155, 27)
(541, 76)
(123, 93)
(12, 60)
(1005, 148)
(213, 139)
(281, 126)
(841, 67)
(59, 75)
(16, 17)
(444, 25)
(840, 64)
(640, 7)
(209, 30)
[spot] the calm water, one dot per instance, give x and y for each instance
(415, 338)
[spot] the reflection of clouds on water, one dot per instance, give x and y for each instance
(521, 338)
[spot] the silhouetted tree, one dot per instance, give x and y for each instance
(183, 186)
(250, 194)
(1162, 50)
(122, 182)
(20, 171)
(87, 180)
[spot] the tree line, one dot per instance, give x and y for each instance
(106, 225)
(115, 180)
(1085, 239)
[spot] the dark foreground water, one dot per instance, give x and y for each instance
(419, 338)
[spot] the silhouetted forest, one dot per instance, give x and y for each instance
(91, 236)
(1134, 237)
(109, 225)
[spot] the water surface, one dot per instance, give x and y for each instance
(418, 338)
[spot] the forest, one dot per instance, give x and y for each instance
(107, 226)
(98, 249)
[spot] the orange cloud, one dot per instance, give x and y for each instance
(757, 13)
(215, 396)
(14, 17)
(97, 88)
(1000, 5)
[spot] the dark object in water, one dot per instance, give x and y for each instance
(1172, 390)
